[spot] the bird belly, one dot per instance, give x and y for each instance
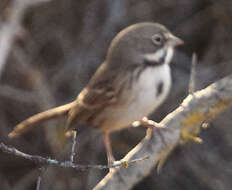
(148, 92)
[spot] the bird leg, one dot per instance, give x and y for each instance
(110, 156)
(152, 125)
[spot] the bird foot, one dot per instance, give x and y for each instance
(147, 123)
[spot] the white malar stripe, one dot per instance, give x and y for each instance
(155, 56)
(159, 55)
(169, 55)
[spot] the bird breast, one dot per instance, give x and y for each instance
(146, 94)
(150, 91)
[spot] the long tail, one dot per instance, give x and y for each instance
(34, 120)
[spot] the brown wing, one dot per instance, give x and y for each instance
(98, 94)
(103, 90)
(89, 104)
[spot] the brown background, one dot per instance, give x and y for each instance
(59, 47)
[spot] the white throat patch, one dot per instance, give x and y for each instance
(156, 57)
(169, 55)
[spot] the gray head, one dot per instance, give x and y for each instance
(142, 41)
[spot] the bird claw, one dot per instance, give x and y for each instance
(147, 123)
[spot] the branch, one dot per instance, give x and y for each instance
(202, 106)
(74, 141)
(66, 164)
(39, 178)
(193, 74)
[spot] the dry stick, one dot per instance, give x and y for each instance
(74, 141)
(192, 80)
(66, 164)
(38, 182)
(39, 178)
(206, 104)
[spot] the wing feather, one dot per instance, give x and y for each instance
(98, 94)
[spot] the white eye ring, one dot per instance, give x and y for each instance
(157, 39)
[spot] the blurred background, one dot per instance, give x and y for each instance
(58, 47)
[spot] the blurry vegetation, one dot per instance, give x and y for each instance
(59, 47)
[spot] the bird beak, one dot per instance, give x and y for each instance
(174, 41)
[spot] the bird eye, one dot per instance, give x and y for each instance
(157, 39)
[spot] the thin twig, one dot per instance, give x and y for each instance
(193, 74)
(74, 141)
(66, 164)
(192, 81)
(39, 179)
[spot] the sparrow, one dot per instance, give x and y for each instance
(131, 83)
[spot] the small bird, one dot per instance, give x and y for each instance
(131, 83)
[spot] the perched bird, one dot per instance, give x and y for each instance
(131, 83)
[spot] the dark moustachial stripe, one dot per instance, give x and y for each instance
(154, 63)
(147, 63)
(138, 72)
(160, 87)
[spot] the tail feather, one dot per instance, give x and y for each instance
(34, 120)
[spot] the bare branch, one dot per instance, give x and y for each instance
(203, 106)
(38, 182)
(193, 74)
(74, 141)
(66, 164)
(39, 178)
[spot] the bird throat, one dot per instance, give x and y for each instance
(162, 56)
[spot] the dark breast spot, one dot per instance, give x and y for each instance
(159, 87)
